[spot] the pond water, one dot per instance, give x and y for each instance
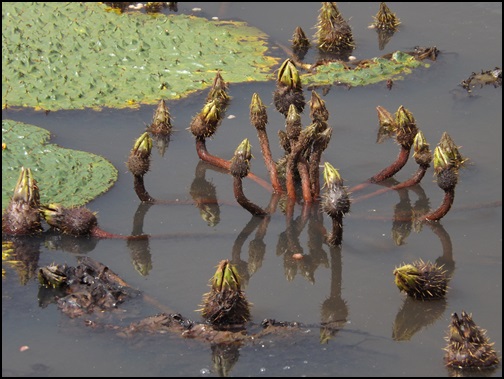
(380, 332)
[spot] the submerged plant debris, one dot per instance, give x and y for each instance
(65, 176)
(76, 55)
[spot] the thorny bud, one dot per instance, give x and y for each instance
(139, 159)
(26, 189)
(441, 160)
(299, 39)
(74, 221)
(333, 32)
(422, 280)
(451, 151)
(406, 129)
(331, 176)
(385, 19)
(142, 146)
(258, 115)
(468, 345)
(421, 150)
(22, 214)
(335, 200)
(218, 92)
(240, 163)
(288, 75)
(318, 110)
(293, 124)
(161, 122)
(225, 304)
(205, 123)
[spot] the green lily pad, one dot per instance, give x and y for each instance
(375, 70)
(65, 176)
(76, 55)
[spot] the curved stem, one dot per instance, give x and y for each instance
(243, 201)
(443, 208)
(391, 170)
(140, 190)
(414, 180)
(204, 155)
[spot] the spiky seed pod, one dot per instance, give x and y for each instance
(421, 150)
(240, 163)
(468, 345)
(385, 19)
(406, 128)
(284, 141)
(161, 122)
(299, 39)
(225, 304)
(422, 280)
(218, 92)
(335, 200)
(22, 214)
(289, 89)
(139, 159)
(452, 151)
(205, 123)
(258, 115)
(77, 221)
(318, 110)
(333, 32)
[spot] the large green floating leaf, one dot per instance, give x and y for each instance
(65, 176)
(76, 55)
(375, 70)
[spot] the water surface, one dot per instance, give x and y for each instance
(355, 282)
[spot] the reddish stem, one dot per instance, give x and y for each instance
(204, 155)
(304, 173)
(140, 190)
(97, 232)
(443, 209)
(391, 170)
(243, 201)
(268, 160)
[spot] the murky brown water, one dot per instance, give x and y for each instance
(354, 283)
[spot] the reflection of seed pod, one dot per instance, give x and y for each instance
(468, 346)
(422, 280)
(225, 304)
